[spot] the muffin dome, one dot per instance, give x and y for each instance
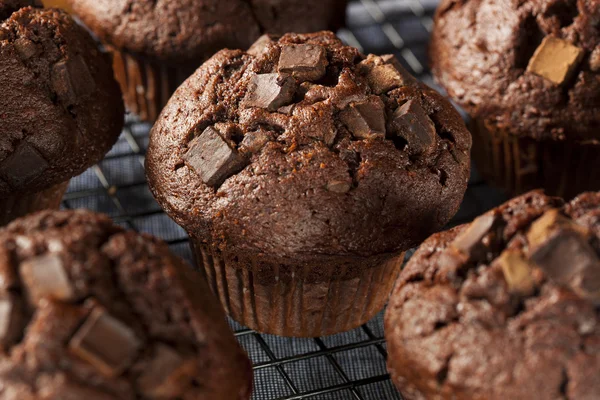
(533, 66)
(91, 311)
(304, 146)
(61, 109)
(503, 308)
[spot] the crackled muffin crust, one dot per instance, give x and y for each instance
(504, 308)
(91, 311)
(60, 109)
(482, 52)
(303, 146)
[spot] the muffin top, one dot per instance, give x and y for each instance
(61, 109)
(91, 311)
(504, 308)
(303, 146)
(192, 30)
(531, 66)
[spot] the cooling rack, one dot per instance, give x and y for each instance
(339, 367)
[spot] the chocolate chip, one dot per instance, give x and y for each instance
(595, 59)
(470, 240)
(72, 80)
(45, 277)
(411, 122)
(106, 343)
(167, 375)
(555, 59)
(213, 158)
(23, 165)
(305, 62)
(11, 319)
(388, 75)
(339, 186)
(365, 119)
(26, 48)
(269, 91)
(518, 272)
(261, 45)
(254, 141)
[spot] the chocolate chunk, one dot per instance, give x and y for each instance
(23, 165)
(45, 277)
(595, 60)
(387, 76)
(470, 240)
(365, 119)
(306, 62)
(11, 319)
(339, 186)
(106, 343)
(72, 80)
(550, 223)
(269, 91)
(287, 110)
(411, 122)
(213, 158)
(261, 45)
(167, 376)
(555, 59)
(518, 272)
(254, 141)
(26, 48)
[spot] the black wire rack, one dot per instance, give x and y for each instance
(345, 366)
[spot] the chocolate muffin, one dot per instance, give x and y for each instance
(60, 108)
(302, 170)
(91, 311)
(504, 308)
(528, 73)
(157, 44)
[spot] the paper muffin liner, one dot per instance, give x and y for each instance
(20, 205)
(147, 85)
(517, 164)
(295, 307)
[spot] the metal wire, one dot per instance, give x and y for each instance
(346, 366)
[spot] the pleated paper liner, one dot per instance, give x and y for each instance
(147, 85)
(517, 165)
(20, 205)
(296, 307)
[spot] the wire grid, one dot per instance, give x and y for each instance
(345, 366)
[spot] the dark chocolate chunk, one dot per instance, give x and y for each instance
(213, 158)
(305, 62)
(555, 59)
(411, 122)
(23, 165)
(269, 91)
(389, 75)
(518, 272)
(45, 277)
(106, 343)
(339, 186)
(11, 319)
(261, 44)
(26, 48)
(71, 80)
(470, 240)
(365, 119)
(287, 110)
(168, 375)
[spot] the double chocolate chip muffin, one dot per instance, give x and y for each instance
(528, 72)
(302, 170)
(91, 311)
(60, 108)
(158, 44)
(507, 307)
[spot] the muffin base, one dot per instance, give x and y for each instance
(517, 165)
(296, 307)
(20, 205)
(147, 85)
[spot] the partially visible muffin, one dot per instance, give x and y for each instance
(302, 170)
(158, 44)
(507, 307)
(91, 311)
(60, 110)
(528, 72)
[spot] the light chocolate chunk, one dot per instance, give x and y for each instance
(365, 119)
(253, 142)
(550, 223)
(305, 62)
(11, 319)
(213, 158)
(388, 74)
(595, 59)
(167, 375)
(72, 80)
(339, 186)
(261, 44)
(45, 277)
(555, 59)
(411, 122)
(518, 272)
(23, 165)
(270, 91)
(106, 343)
(26, 48)
(470, 240)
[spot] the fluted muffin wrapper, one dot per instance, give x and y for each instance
(19, 205)
(147, 85)
(518, 164)
(295, 307)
